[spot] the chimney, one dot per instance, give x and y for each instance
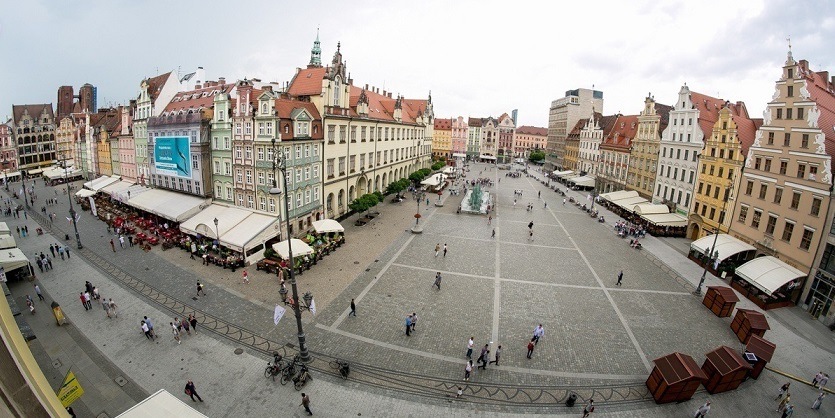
(385, 93)
(803, 64)
(824, 75)
(221, 80)
(366, 87)
(389, 95)
(198, 86)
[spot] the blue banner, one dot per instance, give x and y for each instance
(172, 156)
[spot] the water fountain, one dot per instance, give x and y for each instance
(475, 201)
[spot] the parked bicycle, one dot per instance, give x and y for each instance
(302, 377)
(289, 371)
(274, 368)
(342, 366)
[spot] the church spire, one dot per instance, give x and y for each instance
(316, 52)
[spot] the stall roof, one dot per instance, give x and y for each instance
(12, 258)
(327, 225)
(170, 205)
(755, 319)
(487, 157)
(630, 202)
(666, 219)
(727, 293)
(35, 171)
(449, 170)
(299, 248)
(7, 241)
(565, 174)
(85, 193)
(434, 180)
(678, 367)
(761, 347)
(203, 222)
(726, 245)
(648, 208)
(561, 172)
(726, 360)
(4, 229)
(161, 404)
(583, 181)
(134, 190)
(768, 273)
(254, 226)
(99, 183)
(12, 174)
(620, 194)
(57, 173)
(113, 188)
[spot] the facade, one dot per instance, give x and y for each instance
(591, 136)
(8, 150)
(720, 170)
(563, 115)
(572, 146)
(125, 146)
(489, 138)
(473, 137)
(527, 139)
(65, 137)
(33, 129)
(371, 139)
(644, 160)
(506, 130)
(442, 140)
(107, 126)
(785, 197)
(154, 95)
(222, 178)
(615, 154)
(458, 137)
(693, 117)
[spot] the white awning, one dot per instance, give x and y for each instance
(768, 273)
(85, 193)
(256, 228)
(13, 258)
(161, 404)
(327, 225)
(566, 173)
(203, 223)
(620, 194)
(101, 182)
(4, 229)
(299, 248)
(486, 157)
(434, 180)
(459, 155)
(7, 241)
(12, 174)
(726, 245)
(582, 181)
(561, 172)
(449, 170)
(170, 205)
(630, 202)
(34, 172)
(666, 219)
(132, 191)
(648, 208)
(114, 188)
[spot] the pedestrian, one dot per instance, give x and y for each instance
(498, 355)
(30, 304)
(150, 324)
(83, 301)
(703, 410)
(408, 325)
(88, 300)
(106, 307)
(246, 277)
(96, 295)
(185, 325)
(193, 321)
(130, 243)
(200, 289)
(589, 408)
(112, 246)
(353, 309)
(146, 330)
(437, 249)
(824, 380)
(539, 194)
(176, 332)
(783, 402)
(470, 344)
(531, 346)
(49, 262)
(438, 280)
(818, 401)
(121, 241)
(306, 404)
(789, 411)
(538, 333)
(546, 205)
(414, 321)
(52, 250)
(192, 391)
(494, 233)
(783, 390)
(530, 235)
(459, 392)
(445, 248)
(468, 369)
(490, 220)
(18, 231)
(563, 201)
(61, 252)
(817, 379)
(484, 357)
(620, 278)
(67, 250)
(39, 263)
(113, 307)
(38, 292)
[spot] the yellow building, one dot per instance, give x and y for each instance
(644, 157)
(720, 170)
(442, 140)
(572, 146)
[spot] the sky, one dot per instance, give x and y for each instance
(478, 58)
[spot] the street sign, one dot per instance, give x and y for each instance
(70, 390)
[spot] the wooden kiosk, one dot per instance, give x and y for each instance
(720, 300)
(675, 378)
(748, 322)
(763, 350)
(725, 370)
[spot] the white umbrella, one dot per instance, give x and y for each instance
(327, 225)
(299, 248)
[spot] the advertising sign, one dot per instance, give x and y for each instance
(172, 156)
(70, 390)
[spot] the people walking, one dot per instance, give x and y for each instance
(150, 325)
(67, 250)
(470, 344)
(783, 402)
(816, 379)
(87, 300)
(437, 249)
(490, 220)
(83, 301)
(484, 357)
(620, 278)
(112, 246)
(468, 369)
(245, 276)
(494, 233)
(60, 251)
(175, 332)
(52, 250)
(445, 248)
(538, 333)
(408, 325)
(113, 307)
(818, 401)
(703, 410)
(185, 325)
(200, 289)
(414, 321)
(106, 307)
(823, 381)
(353, 309)
(589, 408)
(498, 355)
(193, 321)
(306, 404)
(192, 391)
(146, 330)
(38, 292)
(783, 390)
(531, 346)
(438, 280)
(789, 411)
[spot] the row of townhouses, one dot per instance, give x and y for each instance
(485, 139)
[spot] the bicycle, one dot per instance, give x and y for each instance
(289, 371)
(275, 367)
(302, 378)
(342, 366)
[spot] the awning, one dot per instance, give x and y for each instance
(4, 229)
(629, 203)
(561, 172)
(486, 157)
(327, 225)
(101, 182)
(203, 222)
(726, 245)
(648, 208)
(161, 404)
(256, 228)
(132, 191)
(582, 181)
(299, 248)
(170, 205)
(434, 180)
(114, 188)
(85, 193)
(7, 241)
(620, 194)
(12, 174)
(13, 258)
(459, 155)
(449, 170)
(666, 219)
(768, 273)
(564, 174)
(59, 173)
(34, 172)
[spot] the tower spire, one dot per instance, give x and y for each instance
(789, 58)
(316, 52)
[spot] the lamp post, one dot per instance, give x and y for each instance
(25, 198)
(712, 250)
(72, 210)
(281, 164)
(217, 233)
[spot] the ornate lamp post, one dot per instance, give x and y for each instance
(72, 210)
(281, 165)
(217, 232)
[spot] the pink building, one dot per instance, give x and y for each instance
(127, 148)
(460, 129)
(8, 149)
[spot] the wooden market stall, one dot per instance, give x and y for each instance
(748, 322)
(725, 370)
(763, 351)
(675, 378)
(720, 300)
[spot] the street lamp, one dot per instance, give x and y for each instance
(711, 251)
(217, 232)
(72, 210)
(281, 164)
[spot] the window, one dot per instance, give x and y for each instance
(248, 131)
(269, 128)
(788, 230)
(307, 196)
(801, 171)
(778, 195)
(342, 131)
(298, 152)
(307, 173)
(766, 166)
(757, 163)
(341, 166)
(755, 220)
(331, 133)
(806, 240)
(771, 138)
(298, 199)
(298, 175)
(763, 190)
(779, 113)
(712, 213)
(316, 171)
(800, 113)
(784, 165)
(272, 204)
(260, 128)
(749, 188)
(804, 141)
(789, 113)
(216, 169)
(790, 91)
(708, 189)
(315, 150)
(248, 176)
(816, 207)
(227, 168)
(239, 176)
(218, 191)
(307, 150)
(353, 134)
(261, 179)
(772, 222)
(248, 153)
(743, 213)
(813, 172)
(730, 154)
(795, 200)
(786, 139)
(238, 152)
(250, 203)
(262, 203)
(700, 188)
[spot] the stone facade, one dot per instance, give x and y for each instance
(591, 136)
(442, 140)
(489, 137)
(33, 129)
(8, 150)
(459, 134)
(563, 115)
(644, 159)
(125, 146)
(222, 177)
(473, 137)
(527, 139)
(154, 95)
(615, 154)
(507, 130)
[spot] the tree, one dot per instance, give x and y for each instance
(536, 156)
(363, 203)
(397, 186)
(438, 165)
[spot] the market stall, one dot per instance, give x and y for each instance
(101, 182)
(725, 370)
(170, 205)
(725, 252)
(675, 378)
(748, 322)
(720, 300)
(768, 282)
(13, 265)
(762, 351)
(7, 241)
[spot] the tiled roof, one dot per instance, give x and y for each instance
(379, 107)
(475, 122)
(34, 110)
(746, 129)
(412, 109)
(195, 100)
(443, 124)
(663, 111)
(532, 130)
(308, 82)
(823, 93)
(155, 85)
(284, 109)
(578, 127)
(607, 123)
(620, 136)
(708, 108)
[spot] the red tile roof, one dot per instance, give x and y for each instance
(579, 126)
(379, 107)
(284, 109)
(532, 130)
(708, 108)
(663, 111)
(823, 93)
(307, 82)
(34, 110)
(443, 124)
(198, 99)
(622, 131)
(155, 85)
(475, 122)
(746, 129)
(413, 109)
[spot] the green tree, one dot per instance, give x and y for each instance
(536, 156)
(363, 203)
(438, 165)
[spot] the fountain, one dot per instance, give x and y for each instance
(475, 201)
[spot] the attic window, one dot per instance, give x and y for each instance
(215, 92)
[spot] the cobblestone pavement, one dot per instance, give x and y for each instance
(598, 336)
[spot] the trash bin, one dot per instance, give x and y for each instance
(572, 398)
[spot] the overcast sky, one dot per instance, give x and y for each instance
(478, 58)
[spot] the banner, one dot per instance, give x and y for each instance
(70, 390)
(313, 306)
(172, 156)
(93, 207)
(279, 313)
